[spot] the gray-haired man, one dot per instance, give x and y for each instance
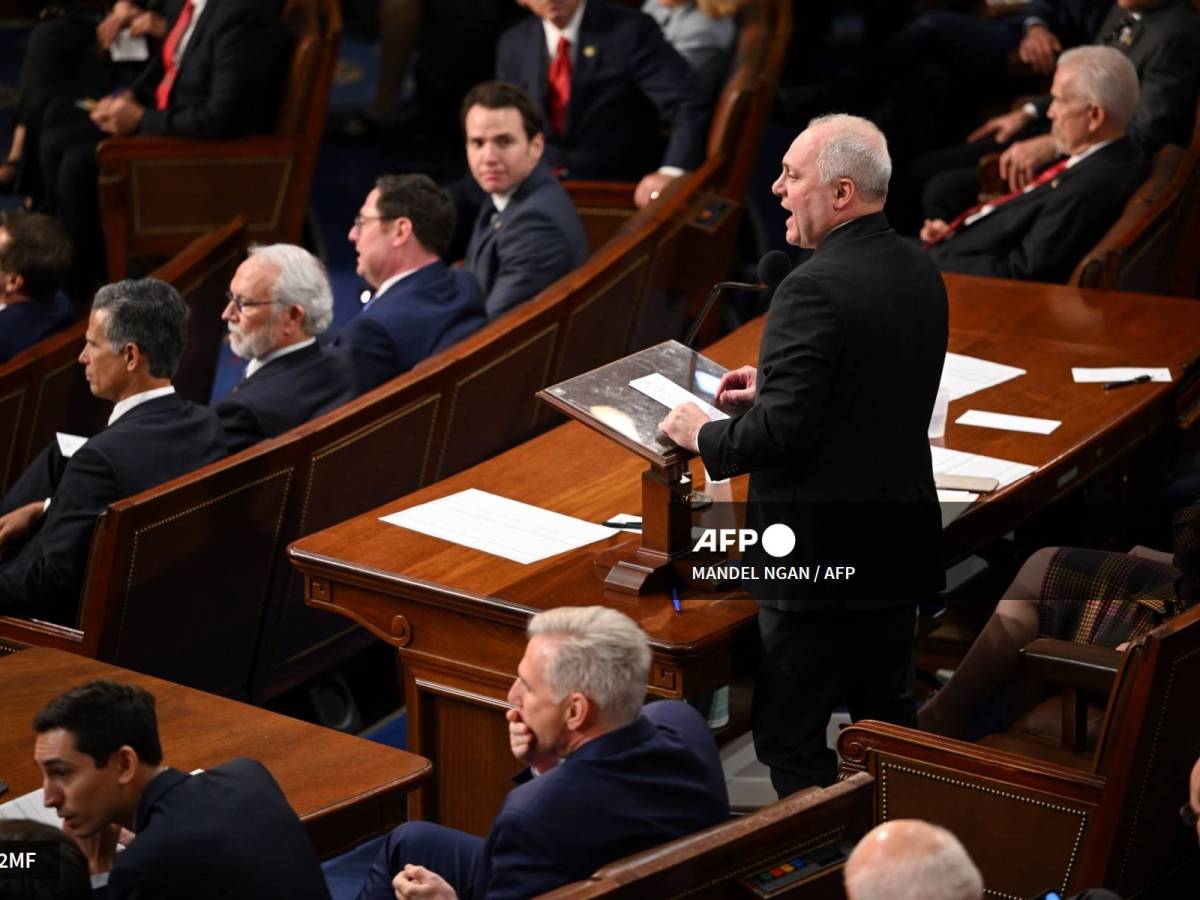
(279, 301)
(614, 777)
(135, 337)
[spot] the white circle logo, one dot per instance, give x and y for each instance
(778, 540)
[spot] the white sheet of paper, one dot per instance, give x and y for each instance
(30, 806)
(669, 394)
(1006, 422)
(955, 462)
(499, 526)
(956, 496)
(129, 49)
(953, 504)
(69, 443)
(963, 375)
(621, 519)
(1118, 373)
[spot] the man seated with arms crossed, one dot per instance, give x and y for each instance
(35, 254)
(226, 833)
(607, 777)
(279, 301)
(419, 305)
(1041, 231)
(135, 337)
(528, 234)
(606, 77)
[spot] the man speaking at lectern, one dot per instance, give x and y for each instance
(835, 441)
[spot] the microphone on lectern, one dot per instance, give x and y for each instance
(772, 269)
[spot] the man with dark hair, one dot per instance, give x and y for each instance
(35, 253)
(227, 832)
(419, 305)
(135, 338)
(528, 234)
(71, 881)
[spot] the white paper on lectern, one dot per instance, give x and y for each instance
(963, 375)
(662, 389)
(1006, 422)
(30, 806)
(955, 462)
(499, 526)
(1118, 373)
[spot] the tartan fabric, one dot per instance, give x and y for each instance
(1103, 598)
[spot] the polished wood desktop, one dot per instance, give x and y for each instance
(344, 789)
(457, 616)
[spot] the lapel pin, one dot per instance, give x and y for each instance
(1054, 183)
(589, 51)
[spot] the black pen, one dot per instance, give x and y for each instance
(1141, 379)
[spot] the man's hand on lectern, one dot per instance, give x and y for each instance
(738, 385)
(682, 425)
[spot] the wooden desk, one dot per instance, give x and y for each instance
(344, 789)
(458, 616)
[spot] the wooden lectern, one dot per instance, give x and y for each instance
(604, 400)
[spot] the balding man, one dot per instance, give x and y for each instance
(836, 446)
(279, 301)
(613, 777)
(1041, 231)
(908, 859)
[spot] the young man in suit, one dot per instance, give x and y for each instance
(224, 832)
(836, 446)
(607, 777)
(419, 305)
(1042, 230)
(606, 77)
(279, 301)
(527, 234)
(35, 253)
(135, 338)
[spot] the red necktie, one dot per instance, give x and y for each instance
(1045, 176)
(163, 94)
(558, 94)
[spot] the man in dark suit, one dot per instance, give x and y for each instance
(34, 255)
(1162, 40)
(279, 301)
(1040, 232)
(135, 337)
(219, 75)
(419, 305)
(225, 832)
(612, 778)
(836, 446)
(528, 234)
(606, 78)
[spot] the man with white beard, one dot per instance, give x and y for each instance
(279, 301)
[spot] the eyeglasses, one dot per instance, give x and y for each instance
(1188, 815)
(360, 219)
(240, 303)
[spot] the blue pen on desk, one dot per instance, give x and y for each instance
(675, 599)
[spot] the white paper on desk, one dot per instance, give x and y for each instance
(1006, 422)
(620, 520)
(30, 806)
(955, 462)
(963, 375)
(69, 443)
(1118, 373)
(499, 526)
(669, 394)
(127, 48)
(953, 504)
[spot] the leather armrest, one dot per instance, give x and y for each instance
(1068, 664)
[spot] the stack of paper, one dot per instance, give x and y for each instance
(955, 462)
(963, 375)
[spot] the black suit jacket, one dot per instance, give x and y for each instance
(1073, 22)
(534, 242)
(286, 392)
(230, 77)
(24, 324)
(1042, 235)
(836, 441)
(1164, 47)
(226, 832)
(154, 442)
(630, 79)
